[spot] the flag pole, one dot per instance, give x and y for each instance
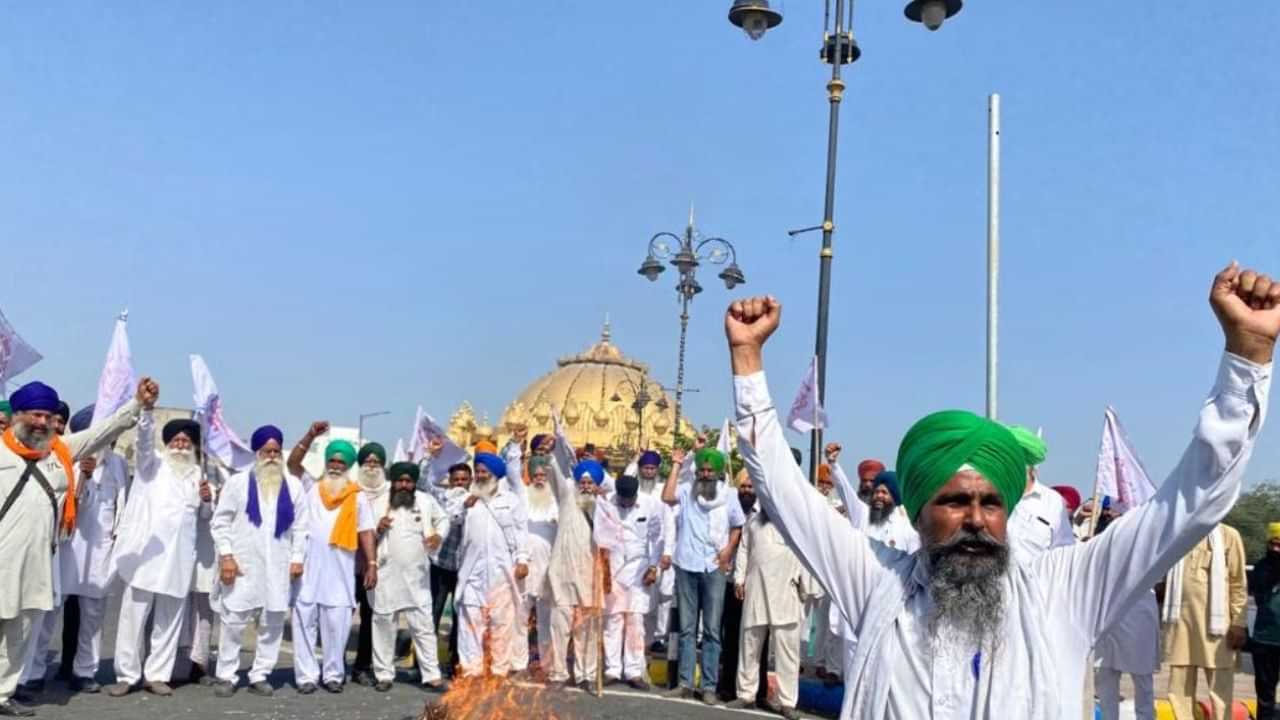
(1097, 505)
(993, 251)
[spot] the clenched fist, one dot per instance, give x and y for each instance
(1247, 304)
(148, 393)
(748, 325)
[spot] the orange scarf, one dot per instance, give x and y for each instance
(68, 521)
(344, 528)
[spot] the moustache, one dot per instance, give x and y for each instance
(966, 542)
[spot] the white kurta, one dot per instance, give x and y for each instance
(1039, 522)
(27, 531)
(264, 582)
(493, 542)
(206, 569)
(329, 572)
(1086, 588)
(633, 537)
(1133, 645)
(156, 542)
(542, 536)
(771, 574)
(85, 559)
(404, 565)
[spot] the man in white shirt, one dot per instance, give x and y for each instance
(628, 526)
(261, 545)
(411, 527)
(663, 592)
(155, 552)
(339, 522)
(1040, 521)
(957, 630)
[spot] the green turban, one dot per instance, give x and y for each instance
(539, 462)
(710, 456)
(1031, 443)
(6, 409)
(400, 469)
(372, 449)
(940, 444)
(343, 450)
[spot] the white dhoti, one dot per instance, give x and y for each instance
(166, 626)
(579, 623)
(333, 625)
(496, 624)
(624, 643)
(15, 635)
(784, 648)
(425, 649)
(266, 650)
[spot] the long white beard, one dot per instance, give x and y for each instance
(29, 438)
(270, 475)
(540, 498)
(648, 484)
(587, 503)
(372, 479)
(335, 480)
(484, 488)
(180, 460)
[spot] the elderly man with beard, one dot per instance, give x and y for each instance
(493, 557)
(194, 641)
(663, 592)
(544, 516)
(411, 527)
(261, 548)
(156, 552)
(372, 479)
(876, 515)
(956, 630)
(628, 527)
(709, 525)
(40, 501)
(338, 521)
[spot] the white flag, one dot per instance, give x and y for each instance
(15, 354)
(415, 448)
(807, 413)
(1120, 473)
(726, 449)
(219, 439)
(118, 382)
(425, 431)
(399, 455)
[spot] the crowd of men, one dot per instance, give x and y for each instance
(958, 586)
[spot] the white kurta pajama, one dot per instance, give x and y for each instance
(772, 579)
(542, 536)
(1086, 588)
(663, 592)
(404, 586)
(327, 595)
(261, 593)
(633, 538)
(27, 535)
(571, 579)
(1039, 523)
(487, 595)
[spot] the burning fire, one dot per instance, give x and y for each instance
(490, 698)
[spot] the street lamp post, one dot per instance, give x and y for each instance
(640, 399)
(839, 48)
(360, 424)
(689, 252)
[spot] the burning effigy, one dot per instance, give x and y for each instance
(489, 697)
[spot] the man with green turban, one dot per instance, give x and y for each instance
(6, 414)
(1041, 520)
(709, 522)
(956, 629)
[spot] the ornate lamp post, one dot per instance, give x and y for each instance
(688, 252)
(839, 48)
(640, 399)
(360, 424)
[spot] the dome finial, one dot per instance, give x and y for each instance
(606, 333)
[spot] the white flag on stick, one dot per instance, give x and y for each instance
(399, 455)
(725, 447)
(118, 382)
(1120, 473)
(807, 413)
(16, 355)
(219, 439)
(427, 429)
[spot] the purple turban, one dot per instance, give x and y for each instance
(537, 441)
(34, 396)
(495, 464)
(265, 434)
(649, 457)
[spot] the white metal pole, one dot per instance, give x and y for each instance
(993, 252)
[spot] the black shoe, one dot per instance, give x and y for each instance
(85, 685)
(12, 708)
(333, 686)
(611, 681)
(306, 688)
(200, 677)
(262, 688)
(382, 686)
(365, 678)
(21, 696)
(658, 648)
(588, 687)
(35, 687)
(640, 684)
(224, 689)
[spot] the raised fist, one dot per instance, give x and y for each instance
(833, 452)
(750, 322)
(319, 428)
(1247, 304)
(148, 393)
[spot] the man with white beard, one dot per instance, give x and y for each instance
(156, 553)
(338, 521)
(372, 479)
(85, 560)
(544, 515)
(493, 558)
(957, 630)
(410, 529)
(662, 592)
(260, 548)
(628, 526)
(38, 484)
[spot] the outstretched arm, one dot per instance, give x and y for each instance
(299, 451)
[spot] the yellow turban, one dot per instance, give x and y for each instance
(1273, 531)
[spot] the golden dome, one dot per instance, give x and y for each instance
(594, 393)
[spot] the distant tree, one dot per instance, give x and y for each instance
(1252, 513)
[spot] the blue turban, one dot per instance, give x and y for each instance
(649, 457)
(537, 441)
(494, 463)
(35, 396)
(265, 434)
(81, 420)
(889, 479)
(589, 467)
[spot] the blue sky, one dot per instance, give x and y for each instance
(348, 208)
